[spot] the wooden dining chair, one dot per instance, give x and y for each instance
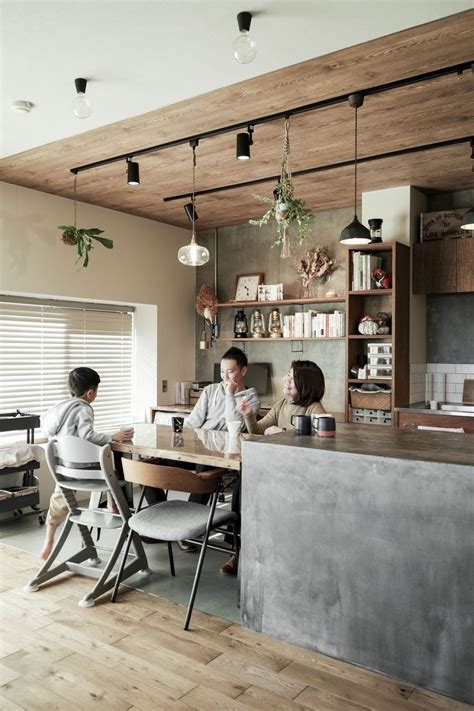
(177, 520)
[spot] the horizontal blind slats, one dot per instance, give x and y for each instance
(40, 344)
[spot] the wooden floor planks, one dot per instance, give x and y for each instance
(135, 656)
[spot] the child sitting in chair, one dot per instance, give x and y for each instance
(75, 416)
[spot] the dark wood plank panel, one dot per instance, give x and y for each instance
(434, 267)
(465, 264)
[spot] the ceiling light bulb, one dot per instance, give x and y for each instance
(193, 254)
(81, 106)
(244, 46)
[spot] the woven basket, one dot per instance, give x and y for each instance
(371, 400)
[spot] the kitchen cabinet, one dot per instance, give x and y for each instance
(443, 266)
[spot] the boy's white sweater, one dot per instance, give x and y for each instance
(73, 417)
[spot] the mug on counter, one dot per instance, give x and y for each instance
(302, 424)
(177, 422)
(324, 425)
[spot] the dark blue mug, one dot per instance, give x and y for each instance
(302, 424)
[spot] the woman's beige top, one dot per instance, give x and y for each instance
(280, 416)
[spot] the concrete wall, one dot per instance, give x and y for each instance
(366, 559)
(247, 249)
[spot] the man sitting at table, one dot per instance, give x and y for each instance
(215, 408)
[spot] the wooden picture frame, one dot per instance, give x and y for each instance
(246, 286)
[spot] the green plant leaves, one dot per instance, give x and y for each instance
(84, 241)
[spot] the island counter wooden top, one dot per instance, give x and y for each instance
(380, 441)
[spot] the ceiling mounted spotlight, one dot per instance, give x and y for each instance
(244, 141)
(244, 46)
(355, 233)
(190, 211)
(81, 107)
(133, 172)
(21, 107)
(193, 254)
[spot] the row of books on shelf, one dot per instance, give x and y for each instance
(314, 324)
(363, 266)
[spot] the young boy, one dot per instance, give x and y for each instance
(75, 416)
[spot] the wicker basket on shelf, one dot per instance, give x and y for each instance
(371, 400)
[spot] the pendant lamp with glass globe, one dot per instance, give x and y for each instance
(356, 232)
(193, 254)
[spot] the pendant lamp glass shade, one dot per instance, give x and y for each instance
(468, 221)
(355, 232)
(193, 254)
(244, 46)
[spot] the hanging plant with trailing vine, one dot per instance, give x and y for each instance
(285, 208)
(82, 237)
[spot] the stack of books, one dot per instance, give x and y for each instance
(314, 324)
(363, 265)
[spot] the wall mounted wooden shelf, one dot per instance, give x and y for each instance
(370, 338)
(370, 292)
(283, 302)
(377, 381)
(278, 340)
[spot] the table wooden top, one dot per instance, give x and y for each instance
(380, 441)
(209, 447)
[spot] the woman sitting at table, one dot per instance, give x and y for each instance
(303, 390)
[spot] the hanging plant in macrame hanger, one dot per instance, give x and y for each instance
(82, 237)
(285, 208)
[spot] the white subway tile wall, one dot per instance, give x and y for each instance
(444, 382)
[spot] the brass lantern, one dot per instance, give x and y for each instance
(275, 329)
(257, 324)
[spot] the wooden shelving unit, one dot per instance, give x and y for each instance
(396, 262)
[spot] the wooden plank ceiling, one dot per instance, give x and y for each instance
(430, 112)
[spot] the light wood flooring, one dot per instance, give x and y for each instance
(135, 655)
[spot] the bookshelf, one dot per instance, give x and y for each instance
(395, 260)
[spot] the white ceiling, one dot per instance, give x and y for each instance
(139, 55)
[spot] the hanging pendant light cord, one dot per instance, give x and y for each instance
(355, 162)
(194, 186)
(75, 201)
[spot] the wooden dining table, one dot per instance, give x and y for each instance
(215, 448)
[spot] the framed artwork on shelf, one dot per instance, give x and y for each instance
(246, 286)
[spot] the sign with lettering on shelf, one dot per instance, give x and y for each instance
(442, 225)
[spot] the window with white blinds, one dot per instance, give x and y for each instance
(41, 343)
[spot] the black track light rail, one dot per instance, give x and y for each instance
(416, 79)
(329, 166)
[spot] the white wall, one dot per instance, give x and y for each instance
(142, 269)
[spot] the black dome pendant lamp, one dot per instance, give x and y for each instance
(355, 233)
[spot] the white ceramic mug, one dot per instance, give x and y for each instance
(234, 427)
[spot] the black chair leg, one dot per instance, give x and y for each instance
(197, 575)
(122, 566)
(170, 555)
(236, 542)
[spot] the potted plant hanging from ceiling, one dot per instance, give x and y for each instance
(82, 237)
(285, 208)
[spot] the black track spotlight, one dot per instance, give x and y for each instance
(244, 141)
(189, 210)
(133, 172)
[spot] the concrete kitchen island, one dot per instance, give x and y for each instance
(362, 548)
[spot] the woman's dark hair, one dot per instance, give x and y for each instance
(81, 380)
(309, 382)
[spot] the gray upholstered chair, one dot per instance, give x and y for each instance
(178, 520)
